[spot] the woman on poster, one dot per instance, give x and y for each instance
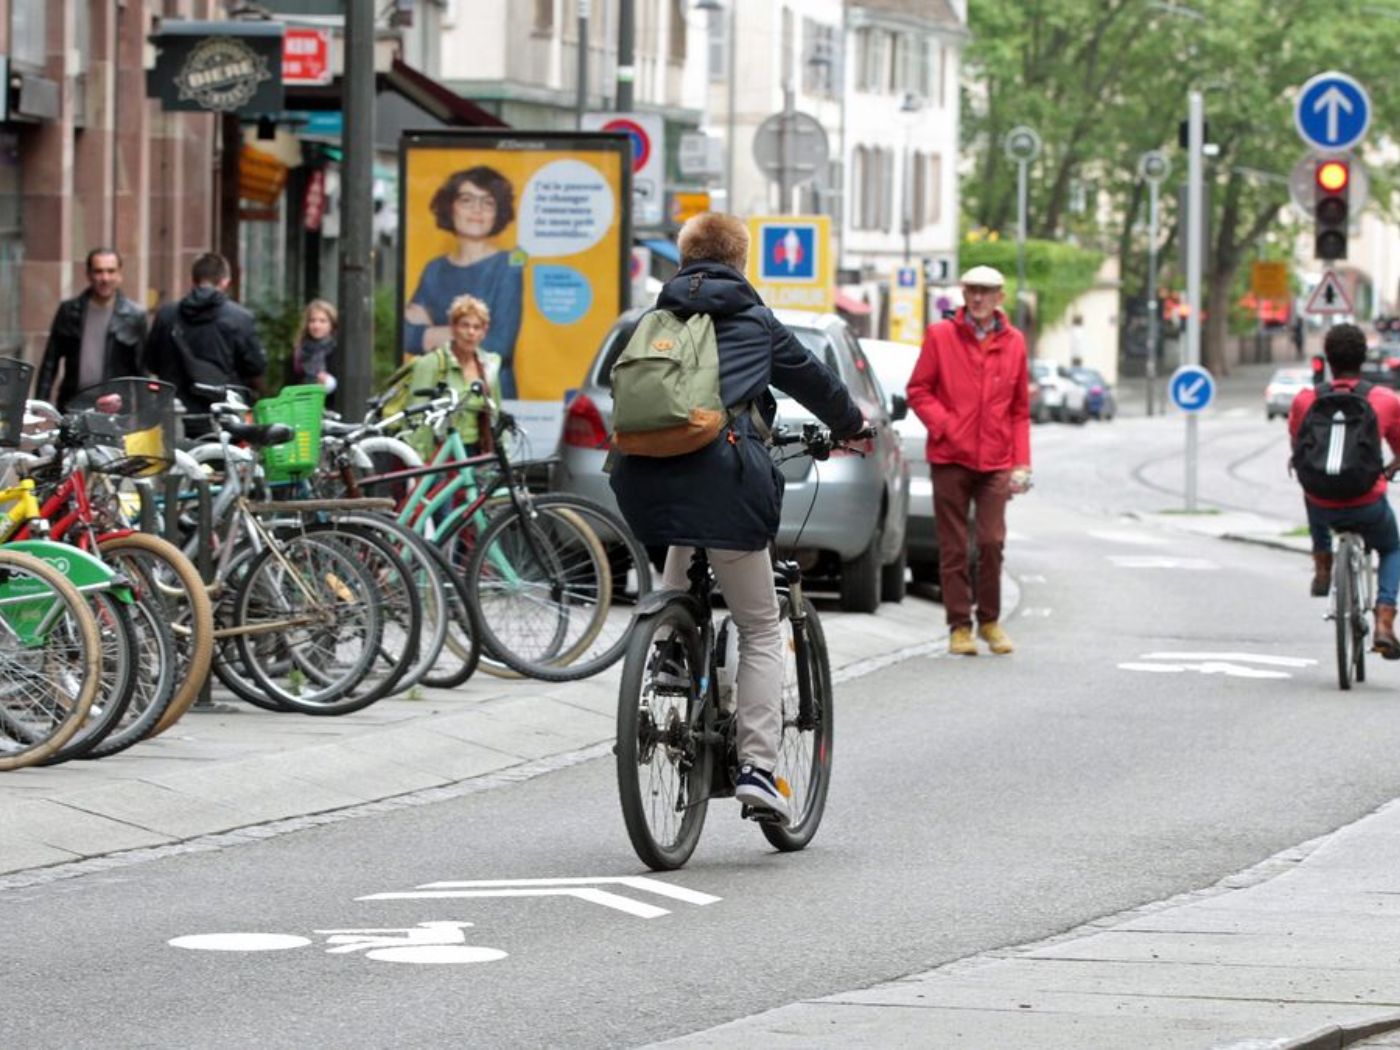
(475, 205)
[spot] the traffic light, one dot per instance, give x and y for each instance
(1331, 208)
(1319, 369)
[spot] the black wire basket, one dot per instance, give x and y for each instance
(14, 391)
(131, 422)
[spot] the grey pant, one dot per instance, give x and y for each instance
(746, 581)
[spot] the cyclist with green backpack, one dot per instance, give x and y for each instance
(691, 412)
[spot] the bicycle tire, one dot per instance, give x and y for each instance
(1343, 613)
(1359, 627)
(118, 677)
(291, 579)
(190, 612)
(665, 815)
(434, 604)
(153, 675)
(228, 665)
(36, 722)
(541, 587)
(461, 651)
(804, 756)
(397, 596)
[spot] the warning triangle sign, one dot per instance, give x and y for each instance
(1329, 297)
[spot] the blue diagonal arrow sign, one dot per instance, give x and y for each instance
(1332, 112)
(1191, 387)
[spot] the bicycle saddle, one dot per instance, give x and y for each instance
(260, 435)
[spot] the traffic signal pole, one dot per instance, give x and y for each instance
(355, 338)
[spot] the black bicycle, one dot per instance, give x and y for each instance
(1350, 598)
(676, 723)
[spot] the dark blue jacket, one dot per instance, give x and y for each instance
(729, 494)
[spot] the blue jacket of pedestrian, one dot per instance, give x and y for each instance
(728, 495)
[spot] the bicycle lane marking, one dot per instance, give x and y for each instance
(1231, 664)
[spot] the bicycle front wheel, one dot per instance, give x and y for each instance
(804, 754)
(50, 660)
(663, 770)
(1344, 614)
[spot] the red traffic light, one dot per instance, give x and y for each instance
(1333, 176)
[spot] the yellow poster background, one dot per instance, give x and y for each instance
(552, 353)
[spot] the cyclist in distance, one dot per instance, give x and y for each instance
(1369, 514)
(727, 496)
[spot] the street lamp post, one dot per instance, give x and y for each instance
(1022, 146)
(1195, 140)
(1153, 166)
(581, 99)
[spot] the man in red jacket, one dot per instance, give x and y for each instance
(970, 389)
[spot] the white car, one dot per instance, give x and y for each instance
(1064, 398)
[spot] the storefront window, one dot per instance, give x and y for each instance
(28, 32)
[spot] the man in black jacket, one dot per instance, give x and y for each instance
(96, 336)
(205, 338)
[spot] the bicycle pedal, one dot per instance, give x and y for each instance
(760, 815)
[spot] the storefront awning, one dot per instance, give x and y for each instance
(664, 248)
(851, 305)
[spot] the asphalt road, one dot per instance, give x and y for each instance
(1160, 726)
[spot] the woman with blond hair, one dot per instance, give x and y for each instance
(311, 360)
(460, 363)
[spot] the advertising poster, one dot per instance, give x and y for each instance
(907, 305)
(790, 261)
(537, 227)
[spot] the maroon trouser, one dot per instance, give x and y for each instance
(956, 490)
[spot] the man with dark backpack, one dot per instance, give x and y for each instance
(1337, 430)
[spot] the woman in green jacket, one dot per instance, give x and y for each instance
(458, 364)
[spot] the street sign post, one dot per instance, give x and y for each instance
(1022, 146)
(1332, 112)
(1192, 388)
(648, 134)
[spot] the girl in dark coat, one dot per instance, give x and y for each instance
(727, 497)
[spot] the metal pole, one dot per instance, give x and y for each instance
(785, 153)
(1021, 245)
(581, 96)
(1154, 313)
(732, 54)
(1195, 140)
(356, 291)
(626, 53)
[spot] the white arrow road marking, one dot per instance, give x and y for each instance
(1152, 561)
(1036, 611)
(583, 889)
(1234, 665)
(1141, 539)
(1032, 577)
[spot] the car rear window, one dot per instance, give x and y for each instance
(819, 345)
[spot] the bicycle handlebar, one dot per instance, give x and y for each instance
(817, 442)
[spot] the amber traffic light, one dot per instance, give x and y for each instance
(1331, 208)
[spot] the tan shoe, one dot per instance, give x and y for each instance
(961, 642)
(996, 638)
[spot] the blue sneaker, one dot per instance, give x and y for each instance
(763, 791)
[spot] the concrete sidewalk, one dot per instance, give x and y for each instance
(239, 766)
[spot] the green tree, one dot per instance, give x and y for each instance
(1103, 82)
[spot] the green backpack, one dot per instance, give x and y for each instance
(397, 394)
(665, 387)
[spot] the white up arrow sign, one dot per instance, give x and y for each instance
(1333, 101)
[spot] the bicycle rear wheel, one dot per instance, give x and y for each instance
(1361, 598)
(663, 771)
(804, 754)
(119, 655)
(1344, 613)
(50, 660)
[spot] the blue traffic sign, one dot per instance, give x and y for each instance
(1333, 112)
(1191, 387)
(789, 252)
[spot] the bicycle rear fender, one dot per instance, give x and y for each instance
(83, 570)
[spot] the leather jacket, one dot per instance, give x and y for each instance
(124, 352)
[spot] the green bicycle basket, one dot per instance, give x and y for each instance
(301, 408)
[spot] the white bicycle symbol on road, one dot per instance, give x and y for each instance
(428, 943)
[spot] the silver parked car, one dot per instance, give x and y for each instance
(1283, 386)
(844, 519)
(894, 364)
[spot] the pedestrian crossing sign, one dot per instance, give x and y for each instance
(790, 261)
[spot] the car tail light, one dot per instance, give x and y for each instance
(1392, 362)
(583, 424)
